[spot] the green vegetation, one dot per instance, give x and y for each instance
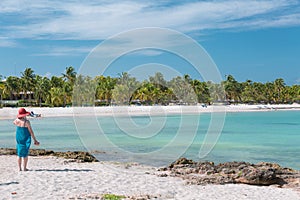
(68, 89)
(112, 197)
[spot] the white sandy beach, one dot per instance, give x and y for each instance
(54, 178)
(10, 113)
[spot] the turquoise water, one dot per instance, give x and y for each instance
(251, 136)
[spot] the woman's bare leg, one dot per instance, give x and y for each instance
(19, 163)
(25, 163)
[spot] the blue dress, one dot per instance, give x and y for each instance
(23, 139)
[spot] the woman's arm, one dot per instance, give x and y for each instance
(28, 125)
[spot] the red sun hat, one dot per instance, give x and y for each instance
(23, 113)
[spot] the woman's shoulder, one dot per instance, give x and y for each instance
(27, 123)
(22, 123)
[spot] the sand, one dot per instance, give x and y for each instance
(56, 178)
(10, 113)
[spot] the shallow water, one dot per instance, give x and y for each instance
(249, 136)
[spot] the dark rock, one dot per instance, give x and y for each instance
(40, 152)
(79, 156)
(7, 151)
(163, 169)
(263, 173)
(206, 167)
(181, 161)
(258, 176)
(163, 175)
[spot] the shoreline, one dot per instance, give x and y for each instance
(52, 177)
(10, 113)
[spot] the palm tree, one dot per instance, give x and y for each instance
(42, 88)
(70, 75)
(84, 91)
(148, 93)
(167, 96)
(105, 85)
(119, 95)
(216, 92)
(269, 92)
(12, 87)
(183, 90)
(1, 92)
(201, 90)
(77, 91)
(160, 91)
(294, 93)
(259, 95)
(187, 78)
(28, 78)
(232, 89)
(68, 92)
(56, 96)
(279, 87)
(125, 88)
(57, 81)
(248, 92)
(158, 81)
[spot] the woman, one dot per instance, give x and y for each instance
(24, 133)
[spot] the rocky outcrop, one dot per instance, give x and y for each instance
(202, 173)
(78, 156)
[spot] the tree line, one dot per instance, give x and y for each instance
(73, 89)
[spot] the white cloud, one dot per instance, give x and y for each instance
(101, 19)
(6, 42)
(64, 50)
(147, 52)
(287, 20)
(48, 75)
(147, 41)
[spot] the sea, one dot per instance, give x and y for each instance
(270, 136)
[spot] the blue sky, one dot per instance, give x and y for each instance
(257, 40)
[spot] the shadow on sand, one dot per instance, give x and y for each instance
(63, 170)
(9, 183)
